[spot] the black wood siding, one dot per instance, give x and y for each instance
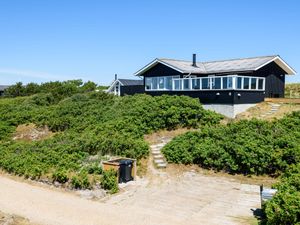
(224, 97)
(203, 96)
(131, 90)
(248, 97)
(275, 80)
(160, 70)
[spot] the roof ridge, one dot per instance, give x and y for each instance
(233, 59)
(223, 60)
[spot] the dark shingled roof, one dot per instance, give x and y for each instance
(223, 66)
(129, 82)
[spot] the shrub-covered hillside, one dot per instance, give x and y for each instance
(246, 146)
(88, 125)
(250, 147)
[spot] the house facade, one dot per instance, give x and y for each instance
(227, 86)
(121, 87)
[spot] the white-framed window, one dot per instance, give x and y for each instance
(148, 83)
(205, 83)
(261, 84)
(159, 83)
(253, 83)
(196, 83)
(239, 83)
(177, 84)
(228, 82)
(215, 82)
(246, 83)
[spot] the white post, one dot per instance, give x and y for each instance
(234, 78)
(200, 83)
(221, 83)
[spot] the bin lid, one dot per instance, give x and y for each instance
(125, 162)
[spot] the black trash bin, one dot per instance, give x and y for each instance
(125, 170)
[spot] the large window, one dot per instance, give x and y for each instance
(246, 83)
(193, 83)
(253, 83)
(227, 82)
(169, 82)
(186, 84)
(260, 84)
(239, 83)
(196, 83)
(159, 83)
(154, 83)
(216, 82)
(148, 83)
(177, 84)
(205, 83)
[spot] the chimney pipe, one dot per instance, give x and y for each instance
(116, 76)
(194, 60)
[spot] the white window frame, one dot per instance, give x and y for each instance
(233, 78)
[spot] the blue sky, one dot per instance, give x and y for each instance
(93, 40)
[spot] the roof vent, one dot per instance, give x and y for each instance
(194, 60)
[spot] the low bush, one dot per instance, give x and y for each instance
(81, 181)
(5, 130)
(60, 176)
(109, 181)
(248, 147)
(284, 207)
(94, 168)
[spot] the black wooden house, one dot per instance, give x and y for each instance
(235, 82)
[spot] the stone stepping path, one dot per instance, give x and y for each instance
(274, 109)
(158, 158)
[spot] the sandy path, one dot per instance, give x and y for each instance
(188, 199)
(45, 206)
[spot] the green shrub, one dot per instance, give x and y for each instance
(284, 207)
(81, 181)
(109, 181)
(5, 130)
(60, 176)
(94, 168)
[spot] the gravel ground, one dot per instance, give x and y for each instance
(188, 198)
